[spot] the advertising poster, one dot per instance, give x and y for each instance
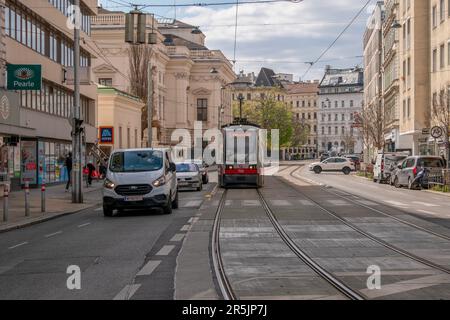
(41, 153)
(28, 162)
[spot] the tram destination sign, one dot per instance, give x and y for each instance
(24, 76)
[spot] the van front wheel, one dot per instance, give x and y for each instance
(168, 207)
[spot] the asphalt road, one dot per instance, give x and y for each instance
(109, 251)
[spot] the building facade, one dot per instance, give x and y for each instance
(303, 99)
(190, 81)
(373, 86)
(440, 69)
(340, 100)
(415, 111)
(119, 120)
(35, 132)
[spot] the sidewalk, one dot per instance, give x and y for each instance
(58, 203)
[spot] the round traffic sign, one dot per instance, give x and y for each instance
(437, 132)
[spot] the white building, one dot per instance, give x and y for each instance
(340, 100)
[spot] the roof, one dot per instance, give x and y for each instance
(266, 78)
(104, 89)
(302, 88)
(343, 77)
(173, 23)
(102, 10)
(177, 41)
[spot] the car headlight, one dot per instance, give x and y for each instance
(109, 184)
(159, 182)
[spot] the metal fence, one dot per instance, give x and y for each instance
(439, 178)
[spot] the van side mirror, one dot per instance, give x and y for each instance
(172, 167)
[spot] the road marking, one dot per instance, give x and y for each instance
(127, 292)
(193, 204)
(396, 203)
(428, 212)
(367, 202)
(251, 203)
(185, 228)
(228, 203)
(149, 268)
(306, 202)
(18, 245)
(337, 202)
(280, 203)
(98, 209)
(177, 237)
(84, 225)
(165, 250)
(426, 204)
(53, 234)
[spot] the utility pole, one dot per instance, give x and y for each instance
(77, 178)
(241, 101)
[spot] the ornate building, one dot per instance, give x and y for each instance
(190, 80)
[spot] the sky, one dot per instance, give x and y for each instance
(282, 36)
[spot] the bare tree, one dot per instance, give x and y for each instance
(349, 141)
(441, 117)
(371, 121)
(139, 58)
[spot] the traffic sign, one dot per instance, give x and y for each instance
(24, 76)
(437, 132)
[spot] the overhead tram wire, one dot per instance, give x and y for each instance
(215, 3)
(337, 38)
(235, 34)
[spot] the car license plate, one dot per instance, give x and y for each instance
(134, 198)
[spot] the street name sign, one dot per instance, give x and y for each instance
(24, 76)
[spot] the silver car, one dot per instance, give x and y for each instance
(140, 178)
(189, 176)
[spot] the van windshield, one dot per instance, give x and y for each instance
(136, 161)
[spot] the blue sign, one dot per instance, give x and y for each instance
(107, 135)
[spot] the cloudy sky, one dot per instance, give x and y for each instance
(282, 36)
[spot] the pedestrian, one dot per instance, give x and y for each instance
(68, 164)
(102, 170)
(91, 169)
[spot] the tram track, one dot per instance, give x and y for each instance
(224, 283)
(371, 236)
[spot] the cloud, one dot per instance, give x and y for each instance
(283, 35)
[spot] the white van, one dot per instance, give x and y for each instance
(386, 165)
(138, 179)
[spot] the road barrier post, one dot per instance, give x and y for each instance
(6, 203)
(27, 199)
(43, 196)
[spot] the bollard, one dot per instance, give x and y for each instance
(43, 196)
(27, 199)
(6, 204)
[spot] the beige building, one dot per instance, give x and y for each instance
(415, 73)
(440, 61)
(36, 123)
(303, 99)
(119, 120)
(190, 80)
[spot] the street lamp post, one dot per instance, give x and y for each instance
(241, 102)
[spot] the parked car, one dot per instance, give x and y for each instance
(385, 166)
(335, 164)
(356, 160)
(140, 178)
(203, 170)
(411, 166)
(189, 176)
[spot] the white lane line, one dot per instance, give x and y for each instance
(306, 202)
(185, 228)
(98, 209)
(190, 220)
(18, 245)
(426, 204)
(178, 237)
(84, 225)
(428, 212)
(53, 234)
(396, 203)
(338, 202)
(193, 204)
(281, 203)
(149, 268)
(165, 250)
(251, 203)
(127, 292)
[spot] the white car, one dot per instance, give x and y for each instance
(334, 164)
(139, 179)
(189, 176)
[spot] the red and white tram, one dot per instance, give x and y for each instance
(242, 156)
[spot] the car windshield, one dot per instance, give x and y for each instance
(136, 161)
(430, 163)
(187, 167)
